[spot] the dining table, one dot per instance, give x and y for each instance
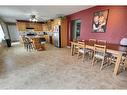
(115, 49)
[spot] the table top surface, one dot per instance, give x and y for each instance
(111, 46)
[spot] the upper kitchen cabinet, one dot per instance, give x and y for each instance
(38, 27)
(21, 26)
(45, 28)
(48, 26)
(29, 25)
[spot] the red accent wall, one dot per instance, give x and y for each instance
(116, 25)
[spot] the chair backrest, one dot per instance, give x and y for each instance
(81, 44)
(100, 49)
(74, 40)
(42, 40)
(126, 61)
(26, 40)
(93, 40)
(102, 42)
(36, 43)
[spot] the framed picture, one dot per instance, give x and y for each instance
(100, 21)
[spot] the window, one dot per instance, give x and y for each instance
(1, 34)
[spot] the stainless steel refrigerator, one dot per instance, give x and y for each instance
(57, 36)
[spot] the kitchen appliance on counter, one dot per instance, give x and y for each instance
(57, 36)
(30, 31)
(123, 42)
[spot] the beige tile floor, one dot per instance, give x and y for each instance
(54, 69)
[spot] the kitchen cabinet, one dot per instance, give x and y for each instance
(38, 27)
(21, 26)
(29, 25)
(45, 28)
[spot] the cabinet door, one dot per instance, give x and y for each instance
(21, 26)
(38, 27)
(30, 25)
(45, 28)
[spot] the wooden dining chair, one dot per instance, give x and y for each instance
(103, 42)
(27, 43)
(90, 51)
(81, 49)
(37, 44)
(93, 40)
(123, 62)
(99, 53)
(75, 50)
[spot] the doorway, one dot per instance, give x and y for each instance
(76, 25)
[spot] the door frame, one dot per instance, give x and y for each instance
(71, 29)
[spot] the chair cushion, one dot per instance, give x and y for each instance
(83, 50)
(99, 55)
(43, 43)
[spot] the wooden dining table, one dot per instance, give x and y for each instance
(115, 49)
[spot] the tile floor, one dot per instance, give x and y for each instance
(54, 69)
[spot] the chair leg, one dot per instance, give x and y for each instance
(30, 47)
(93, 61)
(78, 55)
(91, 54)
(27, 47)
(102, 64)
(74, 50)
(83, 57)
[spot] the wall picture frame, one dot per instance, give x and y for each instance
(100, 21)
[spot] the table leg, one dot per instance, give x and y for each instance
(117, 64)
(72, 49)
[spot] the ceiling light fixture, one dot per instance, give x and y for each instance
(33, 18)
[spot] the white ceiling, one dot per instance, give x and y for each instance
(13, 13)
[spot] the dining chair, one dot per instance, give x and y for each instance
(93, 40)
(75, 50)
(99, 54)
(90, 51)
(27, 43)
(103, 42)
(123, 62)
(38, 45)
(81, 49)
(74, 40)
